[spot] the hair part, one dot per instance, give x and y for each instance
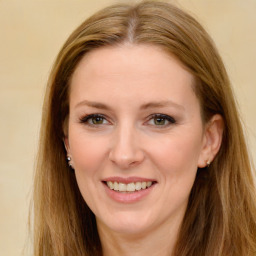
(221, 209)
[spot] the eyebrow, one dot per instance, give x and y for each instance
(157, 104)
(162, 104)
(92, 104)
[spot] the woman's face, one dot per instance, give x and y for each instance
(135, 136)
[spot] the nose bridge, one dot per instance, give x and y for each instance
(126, 150)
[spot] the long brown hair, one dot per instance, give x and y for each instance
(221, 214)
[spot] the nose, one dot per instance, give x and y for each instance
(126, 152)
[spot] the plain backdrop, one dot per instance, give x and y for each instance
(31, 34)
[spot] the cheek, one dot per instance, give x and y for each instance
(88, 152)
(177, 165)
(88, 155)
(177, 157)
(178, 150)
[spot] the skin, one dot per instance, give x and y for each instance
(131, 80)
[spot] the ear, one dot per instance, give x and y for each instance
(69, 156)
(66, 144)
(212, 139)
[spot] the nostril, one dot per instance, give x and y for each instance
(126, 158)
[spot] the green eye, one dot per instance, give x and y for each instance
(159, 121)
(97, 120)
(94, 120)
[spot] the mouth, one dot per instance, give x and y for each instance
(129, 187)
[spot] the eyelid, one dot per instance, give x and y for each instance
(84, 119)
(169, 118)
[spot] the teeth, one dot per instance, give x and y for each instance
(116, 187)
(138, 186)
(130, 187)
(122, 187)
(110, 185)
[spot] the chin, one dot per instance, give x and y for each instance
(128, 223)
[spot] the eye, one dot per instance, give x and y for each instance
(94, 119)
(161, 120)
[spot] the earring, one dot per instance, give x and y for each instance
(69, 162)
(208, 163)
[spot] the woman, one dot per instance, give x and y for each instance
(142, 151)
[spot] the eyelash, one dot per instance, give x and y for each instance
(86, 119)
(164, 117)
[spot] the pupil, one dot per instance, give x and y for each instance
(159, 121)
(97, 120)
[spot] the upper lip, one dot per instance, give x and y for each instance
(127, 180)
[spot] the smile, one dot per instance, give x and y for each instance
(129, 187)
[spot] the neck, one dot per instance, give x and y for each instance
(158, 241)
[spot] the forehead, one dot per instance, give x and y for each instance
(131, 72)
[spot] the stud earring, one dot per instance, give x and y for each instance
(69, 162)
(208, 163)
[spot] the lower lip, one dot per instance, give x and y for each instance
(129, 197)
